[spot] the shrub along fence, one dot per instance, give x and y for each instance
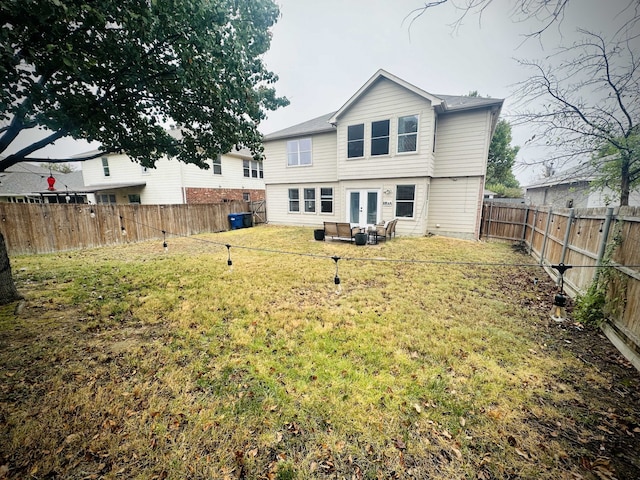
(585, 239)
(46, 228)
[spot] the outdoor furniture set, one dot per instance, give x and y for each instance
(359, 235)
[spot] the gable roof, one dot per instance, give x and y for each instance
(377, 76)
(442, 104)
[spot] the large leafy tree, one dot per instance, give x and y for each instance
(120, 71)
(502, 157)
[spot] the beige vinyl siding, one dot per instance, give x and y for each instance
(454, 205)
(323, 161)
(462, 143)
(386, 100)
(278, 205)
(232, 176)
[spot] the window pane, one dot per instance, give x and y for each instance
(355, 149)
(354, 211)
(326, 192)
(404, 209)
(407, 143)
(405, 192)
(380, 146)
(372, 207)
(292, 146)
(305, 158)
(408, 124)
(356, 132)
(305, 144)
(380, 129)
(292, 159)
(294, 194)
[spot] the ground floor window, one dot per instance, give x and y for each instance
(134, 198)
(405, 199)
(106, 199)
(246, 196)
(326, 200)
(294, 200)
(310, 200)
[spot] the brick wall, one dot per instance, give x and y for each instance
(219, 195)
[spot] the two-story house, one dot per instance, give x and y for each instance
(391, 151)
(114, 178)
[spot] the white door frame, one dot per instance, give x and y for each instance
(363, 210)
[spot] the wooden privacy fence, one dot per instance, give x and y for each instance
(582, 238)
(46, 228)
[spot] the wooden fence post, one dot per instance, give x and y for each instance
(603, 241)
(524, 224)
(533, 229)
(546, 234)
(565, 243)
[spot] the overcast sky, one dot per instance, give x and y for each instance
(324, 51)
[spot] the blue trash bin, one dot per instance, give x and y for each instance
(235, 221)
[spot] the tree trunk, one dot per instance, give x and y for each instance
(8, 292)
(624, 183)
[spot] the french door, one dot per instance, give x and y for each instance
(363, 207)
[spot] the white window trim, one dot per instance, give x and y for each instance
(371, 138)
(364, 141)
(289, 200)
(214, 163)
(414, 201)
(299, 165)
(333, 201)
(315, 201)
(417, 150)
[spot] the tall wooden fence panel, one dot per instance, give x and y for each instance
(46, 228)
(582, 238)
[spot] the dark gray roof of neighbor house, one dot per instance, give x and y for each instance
(459, 102)
(317, 125)
(26, 178)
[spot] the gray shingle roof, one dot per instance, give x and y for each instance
(317, 125)
(27, 178)
(450, 103)
(460, 102)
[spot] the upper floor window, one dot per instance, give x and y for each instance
(326, 200)
(217, 165)
(408, 134)
(405, 199)
(310, 200)
(355, 141)
(252, 168)
(299, 152)
(380, 137)
(105, 166)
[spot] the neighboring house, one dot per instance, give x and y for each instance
(28, 183)
(572, 189)
(391, 151)
(114, 178)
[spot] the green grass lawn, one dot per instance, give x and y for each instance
(129, 362)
